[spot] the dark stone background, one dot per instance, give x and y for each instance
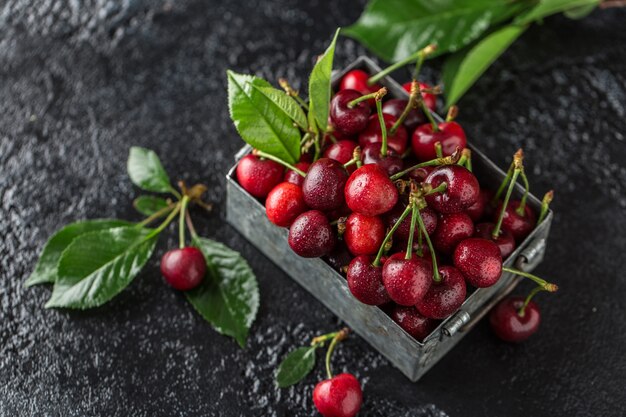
(82, 81)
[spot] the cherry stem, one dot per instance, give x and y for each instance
(448, 160)
(519, 155)
(181, 222)
(380, 93)
(175, 192)
(496, 230)
(291, 92)
(414, 215)
(547, 286)
(453, 112)
(165, 223)
(410, 105)
(383, 128)
(190, 225)
(339, 336)
(419, 245)
(403, 216)
(265, 155)
(438, 150)
(466, 159)
(436, 276)
(438, 189)
(521, 209)
(421, 54)
(356, 158)
(429, 116)
(156, 215)
(545, 205)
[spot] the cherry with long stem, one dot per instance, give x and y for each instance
(181, 221)
(521, 209)
(383, 245)
(414, 215)
(547, 286)
(545, 205)
(414, 97)
(433, 255)
(518, 155)
(517, 162)
(338, 337)
(380, 93)
(530, 296)
(383, 128)
(266, 155)
(419, 55)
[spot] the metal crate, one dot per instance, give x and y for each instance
(413, 358)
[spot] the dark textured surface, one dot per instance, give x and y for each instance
(80, 82)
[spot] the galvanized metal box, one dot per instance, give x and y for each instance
(413, 358)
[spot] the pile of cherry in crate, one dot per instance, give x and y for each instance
(390, 200)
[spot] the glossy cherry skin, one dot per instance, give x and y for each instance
(452, 228)
(369, 191)
(258, 176)
(340, 396)
(406, 280)
(365, 281)
(479, 261)
(364, 234)
(284, 203)
(429, 99)
(311, 235)
(357, 80)
(413, 322)
(508, 325)
(505, 241)
(396, 106)
(372, 134)
(518, 226)
(342, 152)
(339, 257)
(391, 163)
(478, 210)
(429, 217)
(346, 119)
(295, 178)
(450, 135)
(420, 174)
(184, 268)
(324, 183)
(461, 192)
(444, 297)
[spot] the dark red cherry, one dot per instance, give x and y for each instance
(429, 217)
(509, 325)
(339, 257)
(391, 163)
(184, 268)
(452, 228)
(444, 297)
(295, 178)
(477, 210)
(479, 261)
(372, 134)
(413, 322)
(336, 214)
(258, 176)
(364, 234)
(349, 120)
(429, 99)
(396, 106)
(505, 241)
(357, 80)
(311, 235)
(518, 226)
(450, 135)
(339, 396)
(369, 191)
(342, 152)
(461, 192)
(406, 280)
(365, 281)
(420, 174)
(324, 183)
(284, 203)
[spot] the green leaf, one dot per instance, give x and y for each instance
(146, 172)
(228, 298)
(546, 8)
(319, 87)
(260, 121)
(46, 269)
(298, 364)
(580, 12)
(97, 266)
(394, 29)
(462, 69)
(286, 103)
(148, 204)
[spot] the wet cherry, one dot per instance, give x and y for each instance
(429, 99)
(478, 210)
(395, 107)
(324, 183)
(507, 323)
(413, 322)
(357, 80)
(452, 228)
(429, 217)
(342, 152)
(391, 163)
(258, 176)
(406, 280)
(365, 281)
(346, 119)
(184, 268)
(518, 226)
(364, 234)
(284, 203)
(295, 178)
(311, 235)
(369, 191)
(505, 241)
(479, 261)
(373, 134)
(462, 189)
(450, 135)
(339, 396)
(444, 297)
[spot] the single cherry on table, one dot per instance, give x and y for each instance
(183, 269)
(509, 325)
(339, 396)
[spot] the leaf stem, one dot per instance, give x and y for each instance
(181, 221)
(422, 53)
(280, 161)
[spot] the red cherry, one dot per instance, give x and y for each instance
(372, 134)
(342, 152)
(323, 185)
(295, 178)
(429, 217)
(258, 176)
(444, 297)
(461, 192)
(518, 226)
(311, 235)
(509, 325)
(284, 203)
(339, 396)
(429, 99)
(391, 163)
(357, 80)
(413, 322)
(365, 281)
(369, 191)
(479, 261)
(349, 120)
(406, 280)
(420, 174)
(364, 234)
(450, 135)
(478, 210)
(505, 241)
(184, 268)
(452, 228)
(395, 107)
